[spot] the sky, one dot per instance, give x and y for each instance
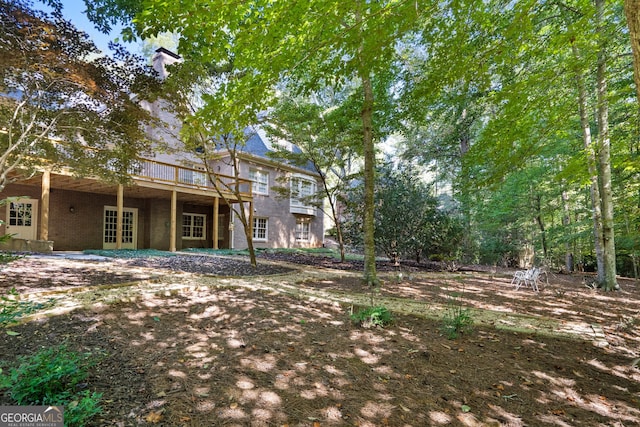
(73, 10)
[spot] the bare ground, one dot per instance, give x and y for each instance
(195, 341)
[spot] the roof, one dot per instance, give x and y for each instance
(258, 144)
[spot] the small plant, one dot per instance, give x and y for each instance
(54, 376)
(372, 316)
(457, 320)
(11, 308)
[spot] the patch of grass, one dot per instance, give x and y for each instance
(11, 308)
(457, 320)
(372, 316)
(55, 376)
(130, 253)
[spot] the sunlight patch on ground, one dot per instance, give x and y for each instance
(513, 420)
(440, 418)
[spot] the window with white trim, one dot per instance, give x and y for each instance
(260, 180)
(194, 226)
(303, 229)
(301, 190)
(260, 229)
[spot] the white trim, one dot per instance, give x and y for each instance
(22, 231)
(192, 226)
(256, 183)
(266, 229)
(304, 234)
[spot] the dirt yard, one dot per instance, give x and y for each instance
(196, 341)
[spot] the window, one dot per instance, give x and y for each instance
(194, 226)
(303, 229)
(260, 229)
(260, 181)
(303, 192)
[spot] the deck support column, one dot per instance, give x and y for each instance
(251, 217)
(174, 221)
(119, 216)
(216, 212)
(44, 212)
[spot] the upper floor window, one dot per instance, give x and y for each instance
(302, 190)
(260, 181)
(194, 226)
(260, 229)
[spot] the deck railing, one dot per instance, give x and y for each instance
(167, 173)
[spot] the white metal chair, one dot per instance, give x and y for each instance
(527, 278)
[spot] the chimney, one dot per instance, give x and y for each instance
(161, 59)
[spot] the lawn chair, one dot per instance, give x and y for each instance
(527, 278)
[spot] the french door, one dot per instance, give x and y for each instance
(129, 228)
(22, 218)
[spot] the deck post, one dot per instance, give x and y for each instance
(119, 216)
(44, 212)
(174, 215)
(216, 212)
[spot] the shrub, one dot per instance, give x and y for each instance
(373, 316)
(457, 320)
(54, 376)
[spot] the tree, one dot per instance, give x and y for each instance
(60, 105)
(209, 136)
(632, 11)
(408, 222)
(324, 138)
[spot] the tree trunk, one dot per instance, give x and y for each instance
(370, 276)
(593, 170)
(632, 10)
(604, 159)
(543, 233)
(566, 221)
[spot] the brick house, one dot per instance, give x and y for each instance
(170, 203)
(278, 221)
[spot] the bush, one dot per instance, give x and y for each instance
(54, 376)
(373, 316)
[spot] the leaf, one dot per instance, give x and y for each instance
(13, 333)
(154, 417)
(465, 408)
(156, 318)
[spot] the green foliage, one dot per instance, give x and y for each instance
(372, 316)
(7, 257)
(456, 320)
(11, 308)
(130, 253)
(408, 222)
(218, 251)
(55, 376)
(56, 84)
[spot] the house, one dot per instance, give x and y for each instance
(170, 203)
(278, 221)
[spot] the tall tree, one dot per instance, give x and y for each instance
(61, 104)
(632, 10)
